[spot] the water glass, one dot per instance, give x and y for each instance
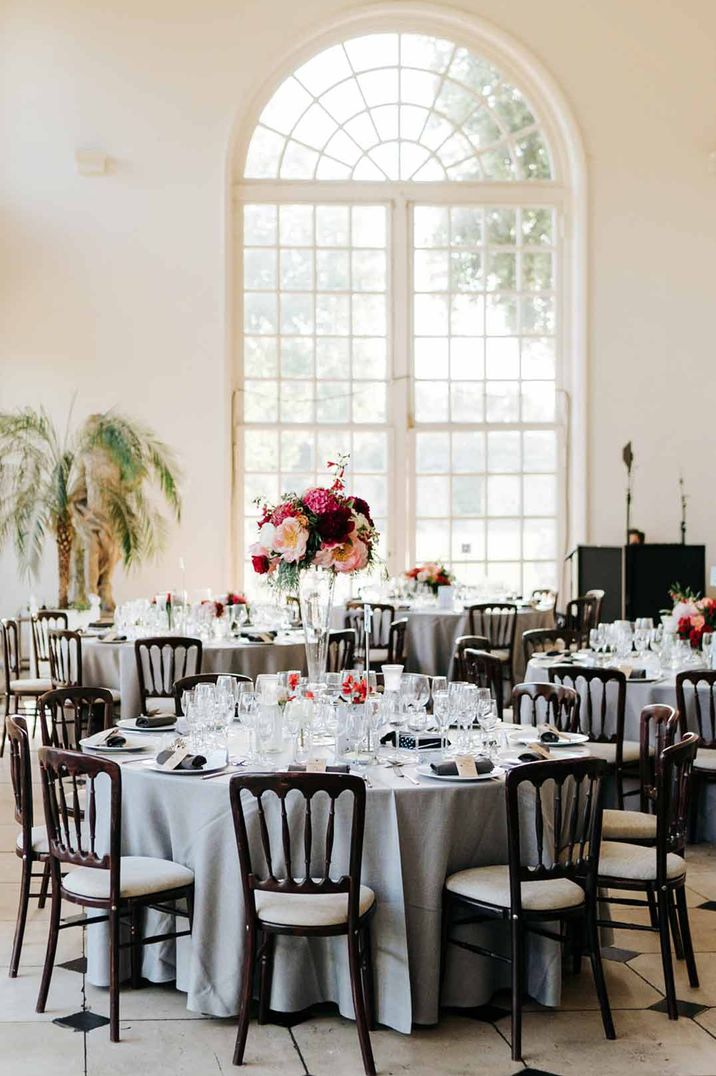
(441, 714)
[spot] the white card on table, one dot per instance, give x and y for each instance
(316, 765)
(466, 766)
(175, 759)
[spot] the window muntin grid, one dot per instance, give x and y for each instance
(398, 107)
(484, 324)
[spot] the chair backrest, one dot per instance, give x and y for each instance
(540, 640)
(72, 833)
(554, 832)
(485, 670)
(69, 713)
(546, 703)
(545, 595)
(186, 683)
(65, 657)
(698, 687)
(43, 622)
(497, 621)
(161, 661)
(21, 776)
(673, 786)
(463, 643)
(10, 651)
(658, 725)
(341, 650)
(580, 615)
(296, 834)
(598, 596)
(293, 604)
(397, 648)
(602, 700)
(382, 616)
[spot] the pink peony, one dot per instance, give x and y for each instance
(351, 556)
(325, 555)
(290, 540)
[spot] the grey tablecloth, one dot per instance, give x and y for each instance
(114, 665)
(414, 836)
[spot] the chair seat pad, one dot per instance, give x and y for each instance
(139, 876)
(635, 863)
(309, 909)
(705, 759)
(30, 687)
(608, 751)
(628, 825)
(39, 840)
(492, 886)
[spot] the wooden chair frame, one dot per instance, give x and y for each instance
(706, 731)
(397, 638)
(65, 657)
(10, 632)
(186, 683)
(341, 650)
(536, 640)
(156, 659)
(69, 713)
(463, 643)
(485, 670)
(44, 621)
(560, 705)
(497, 621)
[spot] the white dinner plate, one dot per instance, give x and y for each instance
(425, 771)
(156, 768)
(92, 743)
(574, 738)
(571, 752)
(130, 725)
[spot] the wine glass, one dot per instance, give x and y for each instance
(441, 713)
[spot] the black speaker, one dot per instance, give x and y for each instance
(651, 571)
(599, 567)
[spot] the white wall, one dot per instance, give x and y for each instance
(114, 287)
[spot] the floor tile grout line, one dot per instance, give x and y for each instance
(298, 1051)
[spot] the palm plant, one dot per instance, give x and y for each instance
(97, 483)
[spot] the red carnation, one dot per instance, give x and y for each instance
(361, 506)
(335, 526)
(261, 565)
(282, 512)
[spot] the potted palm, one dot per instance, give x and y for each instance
(95, 489)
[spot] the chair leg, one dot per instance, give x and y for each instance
(366, 966)
(664, 938)
(35, 717)
(359, 1005)
(114, 923)
(21, 915)
(53, 934)
(266, 955)
(695, 793)
(576, 944)
(247, 989)
(518, 943)
(135, 952)
(674, 924)
(686, 937)
(444, 940)
(600, 984)
(4, 727)
(44, 886)
(653, 911)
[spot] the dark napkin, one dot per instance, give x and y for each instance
(191, 762)
(152, 721)
(637, 674)
(300, 767)
(115, 740)
(449, 769)
(533, 756)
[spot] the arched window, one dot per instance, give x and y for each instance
(401, 220)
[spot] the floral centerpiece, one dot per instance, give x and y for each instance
(304, 541)
(694, 615)
(354, 689)
(432, 573)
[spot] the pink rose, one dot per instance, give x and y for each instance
(325, 555)
(351, 556)
(290, 539)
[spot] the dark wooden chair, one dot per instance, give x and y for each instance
(397, 642)
(463, 643)
(67, 714)
(485, 670)
(598, 596)
(580, 616)
(341, 650)
(546, 703)
(17, 692)
(554, 880)
(31, 844)
(659, 872)
(696, 703)
(544, 640)
(119, 886)
(44, 621)
(382, 616)
(298, 860)
(161, 661)
(497, 621)
(545, 595)
(65, 657)
(602, 711)
(187, 683)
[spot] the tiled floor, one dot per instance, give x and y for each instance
(159, 1036)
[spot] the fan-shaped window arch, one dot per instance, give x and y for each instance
(398, 107)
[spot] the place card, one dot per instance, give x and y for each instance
(465, 766)
(175, 759)
(316, 765)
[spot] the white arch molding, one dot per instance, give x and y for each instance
(567, 188)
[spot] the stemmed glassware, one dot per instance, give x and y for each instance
(441, 715)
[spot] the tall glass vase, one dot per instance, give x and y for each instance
(315, 593)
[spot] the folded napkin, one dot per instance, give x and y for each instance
(111, 637)
(550, 734)
(110, 739)
(261, 636)
(191, 762)
(449, 769)
(152, 721)
(535, 754)
(300, 767)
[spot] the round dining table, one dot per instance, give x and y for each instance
(417, 831)
(113, 664)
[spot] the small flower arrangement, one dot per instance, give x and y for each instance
(215, 607)
(354, 689)
(694, 618)
(322, 528)
(235, 599)
(432, 573)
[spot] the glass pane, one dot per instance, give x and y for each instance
(432, 453)
(503, 495)
(431, 401)
(503, 539)
(432, 496)
(468, 495)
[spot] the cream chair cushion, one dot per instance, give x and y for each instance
(608, 751)
(635, 863)
(139, 875)
(628, 825)
(309, 909)
(30, 687)
(492, 886)
(39, 840)
(705, 759)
